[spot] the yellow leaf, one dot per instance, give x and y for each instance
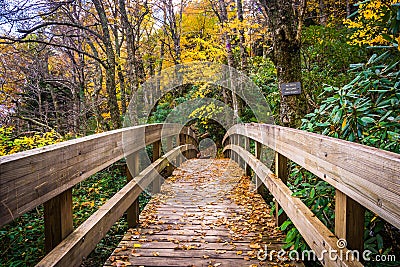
(344, 123)
(255, 246)
(137, 245)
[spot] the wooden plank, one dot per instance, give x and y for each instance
(167, 253)
(368, 175)
(82, 241)
(316, 234)
(244, 246)
(160, 261)
(58, 221)
(282, 172)
(30, 178)
(349, 221)
(213, 232)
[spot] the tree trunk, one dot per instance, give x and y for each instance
(223, 16)
(242, 40)
(170, 18)
(322, 14)
(348, 8)
(286, 42)
(135, 67)
(121, 78)
(110, 70)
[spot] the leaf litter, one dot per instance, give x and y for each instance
(214, 212)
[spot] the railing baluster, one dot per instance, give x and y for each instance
(58, 221)
(281, 171)
(235, 142)
(261, 188)
(247, 168)
(156, 155)
(133, 211)
(170, 167)
(349, 221)
(181, 139)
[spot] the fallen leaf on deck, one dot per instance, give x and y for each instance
(255, 246)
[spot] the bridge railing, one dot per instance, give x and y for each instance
(46, 176)
(364, 177)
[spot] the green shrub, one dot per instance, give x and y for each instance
(366, 111)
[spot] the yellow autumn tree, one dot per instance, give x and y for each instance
(375, 23)
(200, 38)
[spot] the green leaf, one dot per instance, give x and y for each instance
(285, 225)
(312, 193)
(367, 120)
(291, 235)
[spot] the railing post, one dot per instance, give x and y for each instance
(133, 211)
(235, 142)
(228, 152)
(182, 139)
(247, 168)
(156, 155)
(170, 167)
(261, 188)
(281, 171)
(58, 219)
(349, 221)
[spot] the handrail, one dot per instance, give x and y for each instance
(368, 175)
(30, 178)
(46, 176)
(316, 234)
(83, 240)
(363, 177)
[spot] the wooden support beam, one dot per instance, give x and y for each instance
(235, 142)
(247, 168)
(156, 150)
(156, 184)
(281, 171)
(58, 222)
(227, 153)
(349, 221)
(182, 139)
(261, 188)
(170, 167)
(133, 211)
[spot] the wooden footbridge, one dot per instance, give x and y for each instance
(207, 213)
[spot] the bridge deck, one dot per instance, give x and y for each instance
(207, 214)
